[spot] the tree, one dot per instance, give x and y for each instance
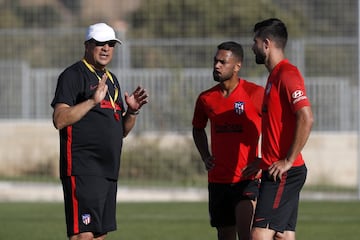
(203, 18)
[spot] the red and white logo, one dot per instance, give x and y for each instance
(86, 219)
(297, 94)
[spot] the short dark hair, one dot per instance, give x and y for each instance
(273, 29)
(234, 47)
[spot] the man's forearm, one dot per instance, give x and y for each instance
(65, 115)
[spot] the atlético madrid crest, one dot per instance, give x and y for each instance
(239, 107)
(86, 219)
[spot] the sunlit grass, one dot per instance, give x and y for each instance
(318, 220)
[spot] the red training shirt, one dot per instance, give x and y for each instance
(235, 128)
(284, 95)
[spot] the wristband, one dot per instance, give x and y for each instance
(133, 112)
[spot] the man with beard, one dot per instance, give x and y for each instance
(286, 124)
(233, 107)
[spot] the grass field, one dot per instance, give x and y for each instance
(172, 221)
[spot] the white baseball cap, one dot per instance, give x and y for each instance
(101, 32)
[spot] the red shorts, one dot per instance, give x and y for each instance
(278, 202)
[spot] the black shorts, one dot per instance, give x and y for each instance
(223, 199)
(278, 202)
(90, 204)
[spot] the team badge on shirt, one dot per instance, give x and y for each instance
(86, 218)
(239, 107)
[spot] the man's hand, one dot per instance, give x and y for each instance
(209, 163)
(101, 90)
(277, 169)
(252, 169)
(137, 99)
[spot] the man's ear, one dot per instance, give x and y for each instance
(267, 42)
(238, 66)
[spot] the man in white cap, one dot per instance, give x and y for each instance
(92, 120)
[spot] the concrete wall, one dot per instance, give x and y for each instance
(26, 143)
(331, 157)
